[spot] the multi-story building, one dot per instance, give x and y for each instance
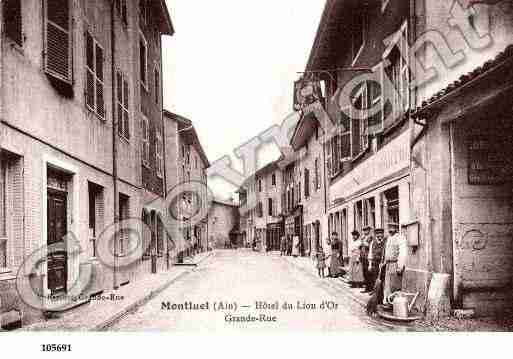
(192, 166)
(461, 159)
(260, 208)
(79, 80)
(223, 225)
(307, 142)
(439, 173)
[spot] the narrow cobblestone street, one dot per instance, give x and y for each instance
(245, 277)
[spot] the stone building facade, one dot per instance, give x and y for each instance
(223, 224)
(307, 142)
(260, 198)
(427, 159)
(192, 165)
(77, 83)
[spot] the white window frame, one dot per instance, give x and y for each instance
(159, 154)
(93, 72)
(143, 38)
(145, 142)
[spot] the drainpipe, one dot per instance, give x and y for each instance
(114, 144)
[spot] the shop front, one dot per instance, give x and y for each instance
(375, 193)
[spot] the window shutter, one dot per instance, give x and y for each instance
(90, 92)
(126, 120)
(119, 89)
(328, 158)
(57, 32)
(12, 20)
(355, 136)
(100, 102)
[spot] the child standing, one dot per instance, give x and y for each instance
(321, 261)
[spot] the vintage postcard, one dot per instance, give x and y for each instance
(240, 166)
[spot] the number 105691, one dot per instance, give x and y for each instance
(55, 347)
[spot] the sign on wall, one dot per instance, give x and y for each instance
(489, 163)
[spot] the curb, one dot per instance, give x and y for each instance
(346, 291)
(103, 326)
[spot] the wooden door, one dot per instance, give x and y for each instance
(57, 229)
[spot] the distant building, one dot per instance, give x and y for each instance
(223, 225)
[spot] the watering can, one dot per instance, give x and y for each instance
(401, 305)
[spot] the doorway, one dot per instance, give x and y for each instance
(57, 260)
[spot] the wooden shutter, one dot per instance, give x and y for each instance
(90, 59)
(328, 158)
(100, 101)
(12, 20)
(58, 40)
(126, 119)
(355, 136)
(119, 89)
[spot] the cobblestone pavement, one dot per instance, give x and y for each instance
(245, 277)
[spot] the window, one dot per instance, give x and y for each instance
(358, 33)
(259, 185)
(358, 216)
(145, 141)
(398, 73)
(122, 10)
(369, 209)
(122, 105)
(156, 79)
(361, 126)
(12, 21)
(94, 76)
(273, 179)
(390, 203)
(270, 206)
(307, 183)
(145, 11)
(159, 154)
(124, 213)
(260, 210)
(58, 49)
(96, 214)
(143, 60)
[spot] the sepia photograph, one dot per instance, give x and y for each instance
(321, 166)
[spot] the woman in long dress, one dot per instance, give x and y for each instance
(295, 246)
(356, 278)
(335, 268)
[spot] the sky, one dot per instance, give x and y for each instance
(231, 65)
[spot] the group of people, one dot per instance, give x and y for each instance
(289, 246)
(371, 256)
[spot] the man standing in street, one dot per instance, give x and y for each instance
(364, 252)
(376, 251)
(394, 260)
